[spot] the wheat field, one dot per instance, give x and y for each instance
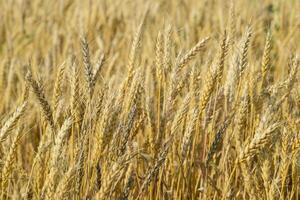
(149, 99)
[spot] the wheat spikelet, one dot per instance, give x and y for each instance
(135, 92)
(99, 104)
(80, 159)
(218, 140)
(133, 89)
(98, 68)
(232, 24)
(50, 184)
(222, 57)
(159, 52)
(241, 119)
(285, 162)
(190, 55)
(135, 45)
(183, 62)
(58, 87)
(178, 119)
(75, 94)
(26, 92)
(167, 49)
(104, 122)
(266, 175)
(9, 164)
(295, 146)
(59, 142)
(231, 79)
(288, 83)
(244, 57)
(207, 91)
(261, 138)
(39, 93)
(173, 93)
(88, 68)
(126, 131)
(187, 139)
(12, 121)
(64, 186)
(265, 68)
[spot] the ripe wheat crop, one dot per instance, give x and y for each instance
(149, 99)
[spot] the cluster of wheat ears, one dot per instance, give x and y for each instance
(126, 99)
